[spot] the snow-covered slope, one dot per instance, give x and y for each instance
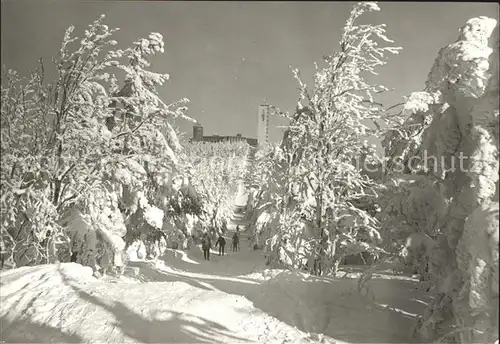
(184, 299)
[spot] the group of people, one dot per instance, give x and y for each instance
(206, 243)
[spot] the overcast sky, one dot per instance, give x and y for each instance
(228, 57)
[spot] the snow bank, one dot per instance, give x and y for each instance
(183, 298)
(66, 304)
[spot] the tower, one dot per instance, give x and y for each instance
(197, 132)
(263, 125)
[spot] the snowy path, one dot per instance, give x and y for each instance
(183, 299)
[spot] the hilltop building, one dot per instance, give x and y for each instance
(262, 131)
(199, 137)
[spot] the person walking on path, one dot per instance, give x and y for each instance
(206, 245)
(221, 242)
(236, 240)
(238, 237)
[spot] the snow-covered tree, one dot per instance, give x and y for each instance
(216, 171)
(456, 124)
(81, 154)
(268, 192)
(316, 178)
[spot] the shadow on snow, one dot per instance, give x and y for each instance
(311, 307)
(24, 330)
(178, 327)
